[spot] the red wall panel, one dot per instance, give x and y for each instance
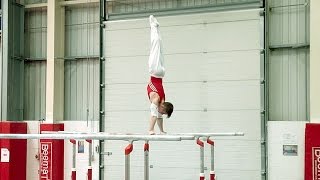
(15, 169)
(312, 152)
(51, 155)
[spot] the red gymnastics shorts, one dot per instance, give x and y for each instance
(155, 85)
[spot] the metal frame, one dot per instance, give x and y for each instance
(78, 2)
(89, 172)
(207, 135)
(186, 10)
(307, 41)
(73, 136)
(35, 6)
(212, 173)
(97, 136)
(264, 88)
(288, 46)
(74, 159)
(63, 3)
(137, 136)
(146, 160)
(102, 18)
(201, 145)
(115, 136)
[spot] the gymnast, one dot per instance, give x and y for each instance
(155, 89)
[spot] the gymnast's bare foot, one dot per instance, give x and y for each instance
(152, 133)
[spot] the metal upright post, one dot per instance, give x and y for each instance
(102, 18)
(201, 144)
(146, 160)
(212, 173)
(89, 173)
(73, 169)
(127, 153)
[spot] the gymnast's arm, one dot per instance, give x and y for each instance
(155, 103)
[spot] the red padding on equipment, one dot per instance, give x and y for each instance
(73, 175)
(15, 169)
(146, 147)
(51, 154)
(89, 174)
(212, 176)
(209, 141)
(73, 141)
(312, 152)
(89, 140)
(200, 143)
(128, 149)
(202, 178)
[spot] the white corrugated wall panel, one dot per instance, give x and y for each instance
(289, 21)
(212, 78)
(288, 67)
(34, 90)
(35, 48)
(215, 62)
(36, 34)
(288, 85)
(82, 31)
(213, 28)
(82, 63)
(81, 89)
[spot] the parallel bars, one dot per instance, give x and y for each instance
(130, 138)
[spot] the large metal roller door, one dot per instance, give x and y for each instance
(213, 74)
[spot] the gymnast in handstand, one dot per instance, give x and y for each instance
(155, 89)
